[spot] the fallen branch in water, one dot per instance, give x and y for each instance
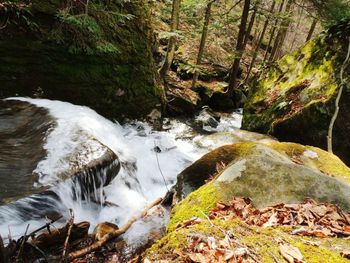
(97, 245)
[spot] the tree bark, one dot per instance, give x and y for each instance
(312, 29)
(239, 49)
(297, 27)
(172, 40)
(272, 34)
(250, 27)
(261, 38)
(281, 35)
(203, 41)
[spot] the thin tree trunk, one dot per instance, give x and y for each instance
(203, 40)
(250, 27)
(278, 36)
(261, 38)
(297, 27)
(272, 34)
(281, 35)
(172, 40)
(337, 101)
(312, 29)
(257, 27)
(239, 49)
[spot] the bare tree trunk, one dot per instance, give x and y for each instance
(312, 29)
(203, 40)
(261, 38)
(278, 36)
(337, 101)
(239, 49)
(250, 26)
(257, 29)
(272, 34)
(172, 40)
(296, 33)
(281, 35)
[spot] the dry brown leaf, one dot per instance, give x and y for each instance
(198, 257)
(291, 254)
(273, 220)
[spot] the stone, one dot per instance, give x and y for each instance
(103, 229)
(270, 172)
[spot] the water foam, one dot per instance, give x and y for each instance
(139, 181)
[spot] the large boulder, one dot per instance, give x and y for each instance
(295, 100)
(268, 173)
(99, 56)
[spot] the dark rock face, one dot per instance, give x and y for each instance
(295, 100)
(22, 134)
(99, 60)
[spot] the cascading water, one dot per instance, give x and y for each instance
(144, 156)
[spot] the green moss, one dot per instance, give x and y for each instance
(264, 241)
(194, 205)
(325, 162)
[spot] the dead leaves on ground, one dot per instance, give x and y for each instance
(312, 219)
(208, 249)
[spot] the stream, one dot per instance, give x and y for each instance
(142, 164)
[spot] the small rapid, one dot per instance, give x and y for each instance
(149, 163)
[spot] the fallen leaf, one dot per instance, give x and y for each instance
(198, 257)
(291, 254)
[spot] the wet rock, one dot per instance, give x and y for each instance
(103, 229)
(294, 101)
(155, 119)
(207, 119)
(88, 166)
(217, 139)
(23, 128)
(182, 101)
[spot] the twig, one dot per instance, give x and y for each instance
(337, 101)
(160, 170)
(70, 226)
(112, 235)
(23, 240)
(47, 225)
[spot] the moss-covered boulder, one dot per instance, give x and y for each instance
(99, 55)
(268, 173)
(295, 100)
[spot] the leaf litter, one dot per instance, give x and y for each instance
(308, 218)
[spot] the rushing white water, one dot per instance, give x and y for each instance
(133, 143)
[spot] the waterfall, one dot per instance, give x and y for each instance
(142, 156)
